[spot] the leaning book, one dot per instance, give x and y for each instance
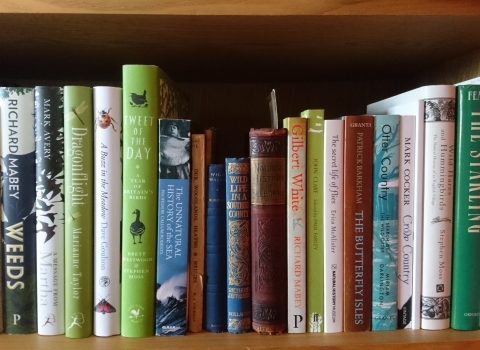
(18, 215)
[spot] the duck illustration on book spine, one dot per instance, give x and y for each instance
(137, 228)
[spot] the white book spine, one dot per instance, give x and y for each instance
(296, 224)
(108, 205)
(406, 215)
(333, 225)
(438, 212)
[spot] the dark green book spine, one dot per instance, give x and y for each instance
(18, 220)
(466, 220)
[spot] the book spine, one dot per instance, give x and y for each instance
(173, 102)
(173, 227)
(78, 127)
(268, 150)
(358, 223)
(18, 203)
(50, 206)
(108, 209)
(314, 245)
(216, 252)
(466, 226)
(197, 235)
(239, 286)
(333, 227)
(406, 214)
(438, 212)
(385, 222)
(296, 224)
(139, 199)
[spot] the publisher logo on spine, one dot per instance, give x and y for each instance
(136, 313)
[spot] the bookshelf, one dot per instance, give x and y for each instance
(227, 56)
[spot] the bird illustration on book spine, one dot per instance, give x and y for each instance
(137, 228)
(138, 100)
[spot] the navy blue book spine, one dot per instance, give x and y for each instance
(216, 252)
(239, 285)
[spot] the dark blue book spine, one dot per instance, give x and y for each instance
(239, 289)
(216, 251)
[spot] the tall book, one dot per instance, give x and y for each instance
(173, 226)
(357, 223)
(314, 245)
(78, 128)
(268, 150)
(139, 207)
(197, 234)
(17, 117)
(107, 102)
(333, 225)
(466, 227)
(296, 223)
(385, 221)
(216, 251)
(406, 213)
(413, 103)
(173, 102)
(50, 207)
(239, 285)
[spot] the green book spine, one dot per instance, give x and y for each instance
(466, 220)
(139, 212)
(315, 274)
(18, 209)
(78, 128)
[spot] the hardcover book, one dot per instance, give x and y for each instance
(358, 145)
(296, 223)
(333, 225)
(216, 252)
(173, 226)
(315, 244)
(239, 286)
(107, 102)
(268, 150)
(139, 199)
(197, 235)
(438, 212)
(466, 226)
(78, 128)
(412, 103)
(173, 102)
(50, 207)
(385, 221)
(17, 120)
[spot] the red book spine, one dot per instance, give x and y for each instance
(268, 149)
(358, 164)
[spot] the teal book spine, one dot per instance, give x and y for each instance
(465, 313)
(18, 209)
(385, 222)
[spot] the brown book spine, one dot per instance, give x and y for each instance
(358, 163)
(268, 149)
(197, 235)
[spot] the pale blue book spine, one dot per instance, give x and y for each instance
(385, 222)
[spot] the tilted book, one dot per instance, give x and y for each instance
(173, 102)
(314, 244)
(173, 226)
(358, 164)
(239, 285)
(438, 212)
(17, 116)
(107, 102)
(196, 262)
(385, 221)
(268, 151)
(78, 128)
(466, 226)
(139, 199)
(296, 223)
(216, 251)
(333, 224)
(50, 207)
(412, 103)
